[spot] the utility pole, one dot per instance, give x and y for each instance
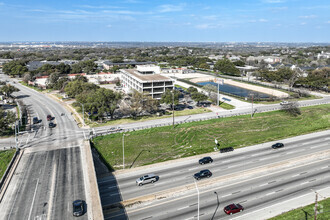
(16, 140)
(315, 208)
(252, 106)
(218, 98)
(173, 106)
(123, 152)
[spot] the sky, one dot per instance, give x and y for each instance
(165, 21)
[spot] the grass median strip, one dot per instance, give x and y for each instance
(307, 212)
(5, 158)
(165, 143)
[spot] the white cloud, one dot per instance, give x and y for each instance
(98, 6)
(171, 8)
(262, 20)
(277, 9)
(208, 26)
(211, 17)
(308, 16)
(328, 22)
(109, 26)
(273, 1)
(303, 23)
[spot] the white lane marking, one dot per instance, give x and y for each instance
(270, 193)
(183, 208)
(114, 194)
(111, 187)
(304, 183)
(240, 217)
(52, 187)
(34, 196)
(327, 138)
(264, 184)
(295, 175)
(315, 147)
(324, 167)
(195, 168)
(226, 195)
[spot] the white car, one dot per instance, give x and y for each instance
(284, 103)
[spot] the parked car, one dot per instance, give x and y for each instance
(202, 174)
(51, 125)
(150, 178)
(78, 208)
(35, 120)
(49, 117)
(205, 160)
(277, 145)
(284, 103)
(233, 208)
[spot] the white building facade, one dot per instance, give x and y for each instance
(145, 80)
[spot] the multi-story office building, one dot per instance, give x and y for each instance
(144, 79)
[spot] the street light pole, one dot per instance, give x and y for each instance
(82, 104)
(252, 105)
(173, 106)
(123, 152)
(198, 200)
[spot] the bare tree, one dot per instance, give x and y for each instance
(292, 108)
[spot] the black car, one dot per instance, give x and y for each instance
(78, 208)
(202, 174)
(35, 120)
(205, 160)
(277, 145)
(51, 125)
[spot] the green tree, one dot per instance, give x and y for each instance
(53, 79)
(74, 88)
(7, 90)
(239, 63)
(76, 68)
(204, 66)
(6, 119)
(27, 77)
(226, 67)
(15, 68)
(198, 97)
(192, 89)
(209, 88)
(168, 99)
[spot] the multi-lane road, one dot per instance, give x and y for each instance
(49, 176)
(256, 177)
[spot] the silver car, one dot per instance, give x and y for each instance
(150, 178)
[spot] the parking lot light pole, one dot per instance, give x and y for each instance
(197, 199)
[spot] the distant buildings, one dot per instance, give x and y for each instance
(145, 79)
(266, 59)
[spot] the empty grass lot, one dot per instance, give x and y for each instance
(165, 143)
(5, 158)
(299, 214)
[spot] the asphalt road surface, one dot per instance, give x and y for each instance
(253, 192)
(49, 176)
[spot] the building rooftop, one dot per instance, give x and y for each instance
(147, 77)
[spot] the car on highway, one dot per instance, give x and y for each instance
(78, 208)
(49, 117)
(205, 160)
(150, 178)
(35, 120)
(202, 174)
(284, 103)
(51, 125)
(233, 208)
(277, 145)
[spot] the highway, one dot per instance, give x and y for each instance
(252, 176)
(49, 176)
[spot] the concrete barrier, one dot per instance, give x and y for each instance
(91, 187)
(5, 180)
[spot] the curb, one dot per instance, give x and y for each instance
(5, 180)
(91, 186)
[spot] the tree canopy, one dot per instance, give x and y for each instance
(227, 67)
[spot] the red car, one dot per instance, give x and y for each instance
(49, 117)
(233, 208)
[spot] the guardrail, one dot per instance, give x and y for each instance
(122, 130)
